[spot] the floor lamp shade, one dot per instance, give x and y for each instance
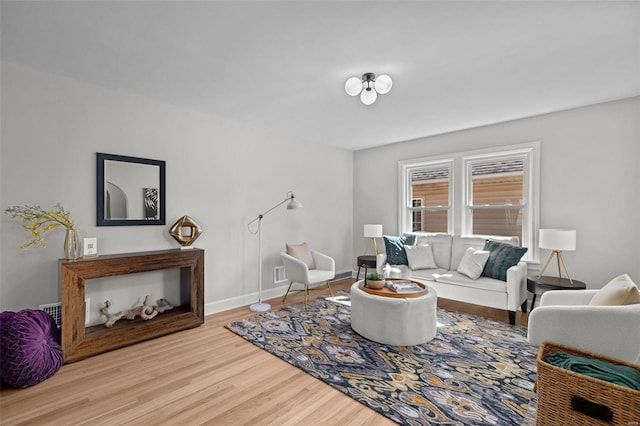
(557, 240)
(372, 232)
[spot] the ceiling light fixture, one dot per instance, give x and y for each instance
(368, 87)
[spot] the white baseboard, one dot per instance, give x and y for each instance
(248, 299)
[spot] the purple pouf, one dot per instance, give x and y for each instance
(30, 350)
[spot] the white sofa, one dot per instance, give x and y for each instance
(448, 250)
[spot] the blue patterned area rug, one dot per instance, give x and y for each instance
(474, 372)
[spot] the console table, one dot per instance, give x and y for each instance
(79, 342)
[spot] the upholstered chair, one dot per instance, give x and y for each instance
(307, 269)
(571, 318)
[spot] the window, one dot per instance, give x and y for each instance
(497, 190)
(429, 192)
(495, 197)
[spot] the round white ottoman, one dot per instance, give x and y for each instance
(394, 321)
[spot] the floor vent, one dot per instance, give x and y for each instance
(278, 275)
(55, 310)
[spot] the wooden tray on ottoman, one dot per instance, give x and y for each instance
(385, 292)
(571, 399)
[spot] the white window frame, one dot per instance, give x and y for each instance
(406, 201)
(460, 185)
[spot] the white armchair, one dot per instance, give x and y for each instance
(565, 317)
(297, 271)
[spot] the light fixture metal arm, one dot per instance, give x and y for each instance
(289, 198)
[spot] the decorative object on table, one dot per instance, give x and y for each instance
(292, 205)
(29, 347)
(557, 240)
(368, 87)
(90, 250)
(146, 311)
(454, 377)
(38, 221)
(307, 267)
(129, 191)
(372, 232)
(373, 280)
(185, 231)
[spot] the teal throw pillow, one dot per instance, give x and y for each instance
(394, 246)
(502, 256)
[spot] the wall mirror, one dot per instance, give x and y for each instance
(130, 191)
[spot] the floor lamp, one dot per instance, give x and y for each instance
(293, 204)
(557, 240)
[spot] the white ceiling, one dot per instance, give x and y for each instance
(281, 65)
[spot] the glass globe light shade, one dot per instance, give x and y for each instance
(353, 86)
(368, 96)
(383, 84)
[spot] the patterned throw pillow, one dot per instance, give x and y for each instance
(394, 246)
(502, 256)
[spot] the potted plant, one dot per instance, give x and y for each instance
(374, 280)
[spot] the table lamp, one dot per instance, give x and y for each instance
(372, 232)
(557, 240)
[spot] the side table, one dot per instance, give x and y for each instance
(538, 284)
(365, 262)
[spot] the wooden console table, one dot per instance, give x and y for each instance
(79, 342)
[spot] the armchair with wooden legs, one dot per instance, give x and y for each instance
(298, 271)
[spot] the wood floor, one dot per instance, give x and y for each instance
(206, 375)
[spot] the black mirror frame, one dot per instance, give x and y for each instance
(100, 219)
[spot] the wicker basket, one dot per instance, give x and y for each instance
(571, 399)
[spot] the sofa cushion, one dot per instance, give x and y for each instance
(301, 252)
(502, 257)
(394, 246)
(459, 245)
(440, 245)
(428, 274)
(420, 257)
(472, 263)
(619, 291)
(483, 283)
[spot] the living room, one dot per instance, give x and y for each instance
(223, 172)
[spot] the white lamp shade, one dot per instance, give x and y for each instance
(294, 204)
(368, 96)
(373, 231)
(353, 86)
(558, 239)
(383, 84)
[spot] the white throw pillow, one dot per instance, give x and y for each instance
(472, 263)
(420, 257)
(619, 291)
(301, 252)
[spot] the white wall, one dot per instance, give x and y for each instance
(590, 181)
(222, 174)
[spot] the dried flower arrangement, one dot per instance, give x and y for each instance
(37, 221)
